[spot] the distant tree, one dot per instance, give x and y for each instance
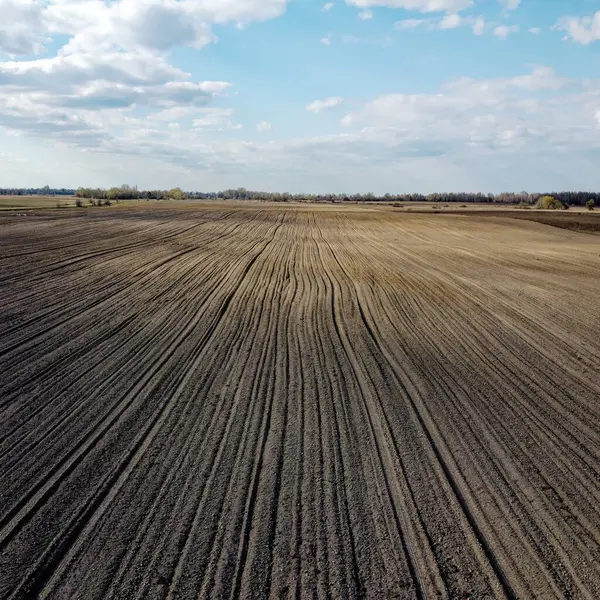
(177, 194)
(113, 193)
(590, 204)
(549, 203)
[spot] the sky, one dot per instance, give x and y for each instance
(301, 95)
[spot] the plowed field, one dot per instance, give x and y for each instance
(261, 401)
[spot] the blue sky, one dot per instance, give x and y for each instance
(301, 95)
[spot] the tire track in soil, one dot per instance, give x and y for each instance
(532, 519)
(297, 402)
(95, 508)
(18, 514)
(428, 564)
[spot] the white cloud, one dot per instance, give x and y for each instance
(124, 25)
(99, 81)
(365, 15)
(407, 24)
(328, 6)
(583, 30)
(510, 4)
(503, 31)
(425, 6)
(264, 126)
(467, 134)
(175, 113)
(152, 24)
(447, 22)
(535, 30)
(504, 120)
(21, 27)
(215, 119)
(115, 56)
(114, 60)
(62, 73)
(320, 105)
(450, 22)
(460, 101)
(540, 78)
(326, 41)
(478, 26)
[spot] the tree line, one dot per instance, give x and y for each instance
(566, 198)
(126, 192)
(43, 191)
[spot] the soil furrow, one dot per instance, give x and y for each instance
(250, 400)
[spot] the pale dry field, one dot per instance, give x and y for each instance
(35, 202)
(260, 401)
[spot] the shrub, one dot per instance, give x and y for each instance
(549, 203)
(590, 204)
(107, 203)
(79, 203)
